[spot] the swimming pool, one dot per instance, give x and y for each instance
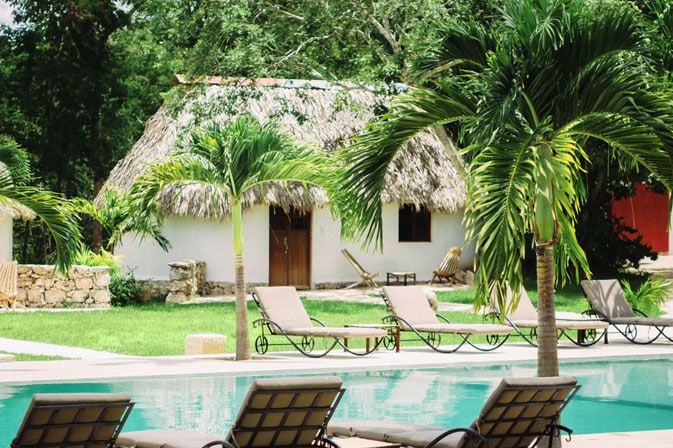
(616, 395)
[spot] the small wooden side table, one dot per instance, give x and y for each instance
(401, 277)
(393, 331)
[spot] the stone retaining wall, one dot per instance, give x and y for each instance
(39, 286)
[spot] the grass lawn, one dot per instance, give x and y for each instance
(157, 329)
(569, 298)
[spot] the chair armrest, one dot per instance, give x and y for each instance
(553, 430)
(255, 299)
(397, 320)
(495, 316)
(390, 319)
(317, 321)
(324, 442)
(594, 314)
(470, 432)
(273, 327)
(445, 319)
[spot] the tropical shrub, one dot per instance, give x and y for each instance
(650, 296)
(87, 257)
(125, 290)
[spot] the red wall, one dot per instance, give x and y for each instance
(648, 213)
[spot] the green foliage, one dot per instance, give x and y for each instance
(610, 245)
(650, 295)
(125, 290)
(88, 258)
(15, 159)
(610, 252)
(119, 215)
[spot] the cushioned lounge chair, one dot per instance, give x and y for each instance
(366, 278)
(448, 268)
(524, 321)
(73, 420)
(411, 310)
(517, 413)
(284, 315)
(281, 412)
(608, 302)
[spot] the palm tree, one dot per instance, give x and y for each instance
(118, 217)
(523, 97)
(229, 164)
(48, 206)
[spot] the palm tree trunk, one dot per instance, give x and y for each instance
(547, 348)
(547, 351)
(242, 334)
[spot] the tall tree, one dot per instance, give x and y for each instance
(228, 164)
(71, 79)
(527, 93)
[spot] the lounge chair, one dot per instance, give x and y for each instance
(411, 310)
(73, 420)
(448, 268)
(282, 412)
(517, 413)
(284, 315)
(608, 302)
(8, 287)
(525, 322)
(366, 278)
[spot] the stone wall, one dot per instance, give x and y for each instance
(39, 286)
(187, 280)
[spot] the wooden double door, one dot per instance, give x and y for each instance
(289, 248)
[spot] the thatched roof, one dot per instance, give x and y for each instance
(313, 112)
(16, 212)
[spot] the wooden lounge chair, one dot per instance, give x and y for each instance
(73, 420)
(366, 278)
(525, 322)
(517, 413)
(8, 288)
(281, 412)
(411, 311)
(448, 268)
(608, 302)
(284, 315)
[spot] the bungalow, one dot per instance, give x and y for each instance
(290, 235)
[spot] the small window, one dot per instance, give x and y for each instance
(414, 223)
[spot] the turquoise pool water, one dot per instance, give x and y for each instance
(616, 395)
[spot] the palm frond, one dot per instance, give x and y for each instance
(367, 160)
(465, 46)
(52, 210)
(636, 140)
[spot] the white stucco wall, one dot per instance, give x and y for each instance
(5, 238)
(202, 240)
(210, 241)
(329, 264)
